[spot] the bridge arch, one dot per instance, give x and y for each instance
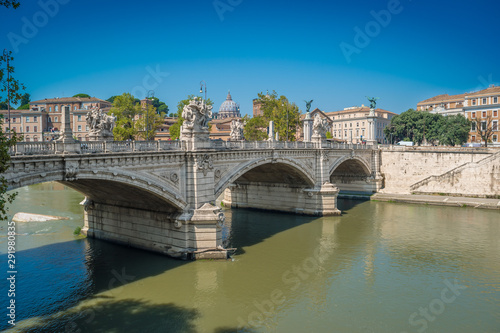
(292, 171)
(112, 186)
(353, 165)
(352, 174)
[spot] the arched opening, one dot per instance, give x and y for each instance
(279, 186)
(352, 176)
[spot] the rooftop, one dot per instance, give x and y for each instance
(69, 100)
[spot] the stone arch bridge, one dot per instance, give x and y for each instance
(160, 196)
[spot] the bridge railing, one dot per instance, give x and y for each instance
(96, 147)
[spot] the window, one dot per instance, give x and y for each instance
(494, 125)
(484, 101)
(35, 128)
(35, 138)
(473, 138)
(35, 119)
(56, 108)
(495, 113)
(473, 115)
(86, 128)
(495, 100)
(473, 126)
(79, 118)
(50, 108)
(75, 109)
(27, 138)
(357, 124)
(50, 119)
(79, 128)
(14, 119)
(345, 134)
(495, 138)
(483, 126)
(350, 125)
(27, 119)
(56, 119)
(27, 128)
(473, 102)
(484, 114)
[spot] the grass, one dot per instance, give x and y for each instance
(77, 231)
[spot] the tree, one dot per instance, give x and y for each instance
(149, 123)
(3, 105)
(111, 99)
(159, 105)
(8, 3)
(82, 95)
(420, 126)
(125, 108)
(175, 129)
(285, 115)
(25, 102)
(484, 127)
(24, 107)
(255, 128)
(9, 84)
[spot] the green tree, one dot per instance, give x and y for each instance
(285, 115)
(149, 123)
(420, 126)
(8, 83)
(82, 95)
(125, 109)
(111, 99)
(24, 107)
(255, 128)
(159, 105)
(175, 129)
(3, 105)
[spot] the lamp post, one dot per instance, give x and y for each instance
(6, 55)
(203, 83)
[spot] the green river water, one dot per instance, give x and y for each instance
(380, 267)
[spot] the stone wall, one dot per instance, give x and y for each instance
(404, 168)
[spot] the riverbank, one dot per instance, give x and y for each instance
(439, 200)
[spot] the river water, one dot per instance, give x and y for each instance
(380, 267)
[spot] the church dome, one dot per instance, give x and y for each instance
(229, 108)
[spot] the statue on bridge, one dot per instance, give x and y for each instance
(100, 125)
(373, 102)
(308, 105)
(237, 130)
(320, 127)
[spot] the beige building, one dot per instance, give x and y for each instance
(30, 124)
(483, 108)
(79, 106)
(443, 104)
(351, 124)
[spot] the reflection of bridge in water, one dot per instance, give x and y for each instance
(160, 195)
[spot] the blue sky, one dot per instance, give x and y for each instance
(416, 49)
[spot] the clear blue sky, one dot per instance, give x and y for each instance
(104, 48)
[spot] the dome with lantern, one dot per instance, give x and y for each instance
(229, 108)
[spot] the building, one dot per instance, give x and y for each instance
(29, 123)
(445, 104)
(351, 124)
(482, 108)
(79, 106)
(163, 132)
(228, 109)
(220, 129)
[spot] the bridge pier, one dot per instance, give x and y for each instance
(284, 198)
(195, 234)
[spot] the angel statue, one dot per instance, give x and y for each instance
(308, 105)
(373, 101)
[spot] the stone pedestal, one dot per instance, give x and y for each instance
(100, 136)
(66, 144)
(194, 140)
(372, 126)
(308, 123)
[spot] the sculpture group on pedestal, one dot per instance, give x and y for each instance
(100, 124)
(237, 130)
(196, 116)
(320, 127)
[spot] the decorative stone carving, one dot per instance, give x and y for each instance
(205, 164)
(320, 126)
(71, 171)
(217, 174)
(100, 125)
(324, 156)
(275, 157)
(174, 177)
(237, 133)
(196, 116)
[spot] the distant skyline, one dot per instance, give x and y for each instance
(333, 53)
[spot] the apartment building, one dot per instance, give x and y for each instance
(31, 124)
(482, 109)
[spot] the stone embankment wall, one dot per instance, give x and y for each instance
(453, 171)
